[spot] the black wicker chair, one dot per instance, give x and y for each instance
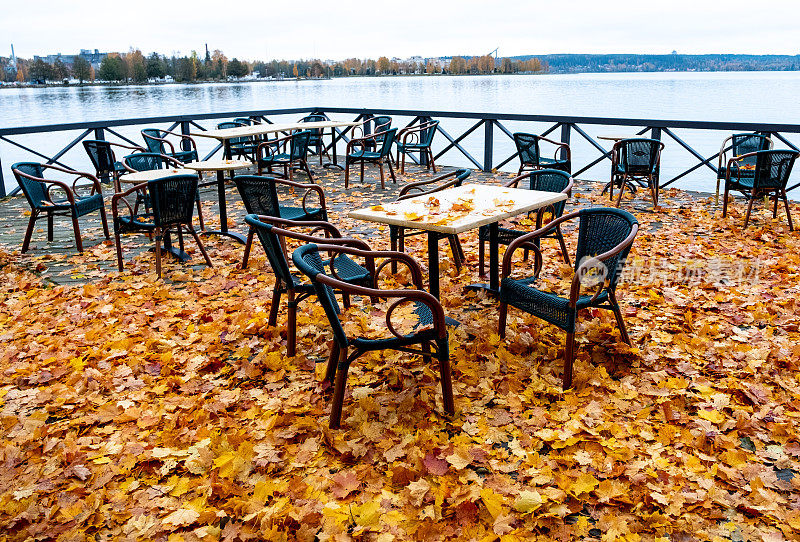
(370, 125)
(241, 147)
(429, 332)
(419, 139)
(635, 160)
(101, 154)
(530, 156)
(37, 190)
(398, 234)
(172, 199)
(260, 197)
(148, 161)
(156, 141)
(546, 180)
(604, 239)
(273, 233)
(768, 175)
(315, 138)
(268, 156)
(356, 152)
(739, 144)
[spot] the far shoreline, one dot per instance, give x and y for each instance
(17, 85)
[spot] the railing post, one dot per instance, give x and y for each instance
(488, 144)
(655, 133)
(565, 133)
(2, 182)
(185, 145)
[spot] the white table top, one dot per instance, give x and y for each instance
(617, 137)
(218, 165)
(137, 177)
(458, 209)
(264, 128)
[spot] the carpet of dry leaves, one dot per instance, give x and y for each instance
(139, 409)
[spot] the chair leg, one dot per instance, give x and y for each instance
(501, 327)
(391, 171)
(308, 170)
(725, 201)
(430, 160)
(346, 173)
(50, 227)
(393, 235)
(775, 207)
(563, 244)
(276, 300)
(291, 326)
(481, 255)
(402, 164)
(445, 374)
(749, 208)
(247, 246)
(339, 389)
(788, 213)
(200, 212)
(621, 190)
(333, 359)
(569, 355)
(76, 228)
(362, 171)
(200, 246)
(612, 297)
(380, 167)
(29, 232)
(158, 239)
(105, 222)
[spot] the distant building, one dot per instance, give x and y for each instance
(93, 57)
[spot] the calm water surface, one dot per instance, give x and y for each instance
(720, 96)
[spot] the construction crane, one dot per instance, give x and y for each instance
(494, 53)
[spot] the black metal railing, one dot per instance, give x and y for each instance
(471, 124)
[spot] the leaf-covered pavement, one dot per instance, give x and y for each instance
(138, 409)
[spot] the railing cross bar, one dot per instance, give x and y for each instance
(37, 153)
(454, 143)
(74, 142)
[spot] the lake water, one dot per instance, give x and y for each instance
(718, 96)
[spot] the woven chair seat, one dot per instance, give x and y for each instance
(297, 213)
(412, 146)
(83, 205)
(423, 312)
(136, 222)
(723, 173)
(185, 156)
(350, 271)
(280, 157)
(506, 235)
(555, 164)
(369, 155)
(547, 306)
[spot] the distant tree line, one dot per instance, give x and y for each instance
(135, 67)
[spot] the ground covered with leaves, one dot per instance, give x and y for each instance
(141, 409)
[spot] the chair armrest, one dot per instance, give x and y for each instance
(439, 327)
(130, 147)
(404, 192)
(559, 145)
(315, 225)
(308, 189)
(359, 141)
(78, 175)
(527, 241)
(596, 262)
(182, 136)
(388, 256)
(115, 199)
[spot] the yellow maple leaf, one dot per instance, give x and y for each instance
(714, 416)
(368, 514)
(492, 501)
(181, 517)
(583, 484)
(528, 501)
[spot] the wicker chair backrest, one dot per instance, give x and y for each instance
(100, 154)
(548, 180)
(308, 260)
(773, 168)
(600, 230)
(640, 156)
(153, 145)
(145, 161)
(527, 148)
(298, 149)
(747, 143)
(272, 247)
(172, 199)
(35, 192)
(259, 194)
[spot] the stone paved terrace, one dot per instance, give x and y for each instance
(55, 260)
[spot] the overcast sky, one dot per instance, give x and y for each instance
(338, 29)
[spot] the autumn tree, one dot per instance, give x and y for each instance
(219, 64)
(81, 69)
(383, 65)
(112, 68)
(458, 65)
(155, 66)
(136, 66)
(185, 70)
(40, 71)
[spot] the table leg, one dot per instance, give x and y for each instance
(433, 264)
(494, 263)
(223, 212)
(334, 163)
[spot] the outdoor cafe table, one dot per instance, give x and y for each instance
(459, 209)
(220, 166)
(224, 135)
